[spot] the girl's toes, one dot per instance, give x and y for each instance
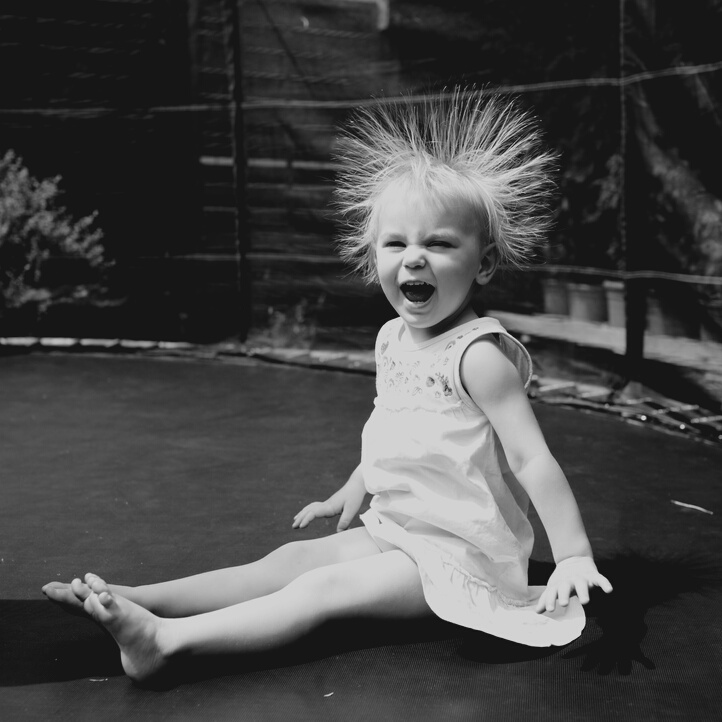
(99, 607)
(64, 595)
(97, 584)
(80, 589)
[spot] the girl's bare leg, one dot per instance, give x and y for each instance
(382, 585)
(224, 587)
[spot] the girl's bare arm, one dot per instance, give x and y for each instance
(494, 384)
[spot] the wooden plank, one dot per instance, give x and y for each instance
(291, 142)
(303, 116)
(297, 35)
(216, 82)
(335, 42)
(300, 219)
(285, 172)
(302, 87)
(293, 243)
(307, 196)
(219, 220)
(59, 29)
(218, 194)
(322, 65)
(312, 15)
(702, 355)
(219, 244)
(329, 295)
(296, 88)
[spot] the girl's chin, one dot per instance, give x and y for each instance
(416, 308)
(418, 315)
(424, 323)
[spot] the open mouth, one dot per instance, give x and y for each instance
(417, 291)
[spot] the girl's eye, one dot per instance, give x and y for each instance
(393, 244)
(440, 244)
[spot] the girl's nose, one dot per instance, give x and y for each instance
(414, 257)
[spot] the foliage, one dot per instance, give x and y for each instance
(36, 232)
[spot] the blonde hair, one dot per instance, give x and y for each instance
(464, 144)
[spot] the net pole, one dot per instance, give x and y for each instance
(634, 289)
(234, 69)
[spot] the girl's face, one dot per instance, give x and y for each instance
(429, 256)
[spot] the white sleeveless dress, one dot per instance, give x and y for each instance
(443, 491)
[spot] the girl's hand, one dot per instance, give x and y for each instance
(574, 575)
(316, 510)
(346, 502)
(330, 507)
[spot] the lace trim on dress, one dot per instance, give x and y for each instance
(429, 375)
(503, 598)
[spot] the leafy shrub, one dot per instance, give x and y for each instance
(38, 237)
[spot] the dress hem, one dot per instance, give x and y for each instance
(486, 609)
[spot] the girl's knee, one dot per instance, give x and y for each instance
(386, 585)
(325, 588)
(307, 554)
(302, 555)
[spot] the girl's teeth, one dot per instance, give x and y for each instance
(417, 292)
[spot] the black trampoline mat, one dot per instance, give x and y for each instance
(143, 469)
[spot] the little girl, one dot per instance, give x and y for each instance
(437, 195)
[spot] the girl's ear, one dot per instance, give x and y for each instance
(488, 264)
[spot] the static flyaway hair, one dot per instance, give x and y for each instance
(465, 145)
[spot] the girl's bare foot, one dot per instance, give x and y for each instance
(69, 596)
(136, 630)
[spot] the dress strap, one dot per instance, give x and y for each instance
(512, 348)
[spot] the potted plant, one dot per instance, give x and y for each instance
(615, 297)
(47, 258)
(556, 296)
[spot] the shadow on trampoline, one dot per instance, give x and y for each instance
(641, 582)
(42, 643)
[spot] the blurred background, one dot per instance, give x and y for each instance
(166, 169)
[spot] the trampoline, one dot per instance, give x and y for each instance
(142, 468)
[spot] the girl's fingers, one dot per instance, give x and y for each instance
(311, 512)
(604, 584)
(582, 590)
(303, 519)
(347, 516)
(547, 601)
(562, 593)
(563, 596)
(301, 513)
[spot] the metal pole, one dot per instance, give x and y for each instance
(235, 81)
(634, 290)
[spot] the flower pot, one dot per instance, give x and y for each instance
(711, 322)
(556, 299)
(587, 302)
(707, 334)
(663, 319)
(616, 310)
